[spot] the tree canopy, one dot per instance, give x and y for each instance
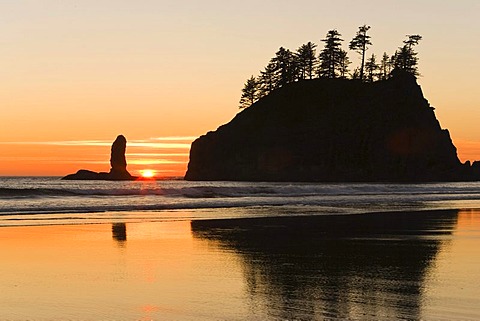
(249, 92)
(360, 44)
(405, 58)
(332, 62)
(306, 60)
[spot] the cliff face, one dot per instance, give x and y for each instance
(331, 130)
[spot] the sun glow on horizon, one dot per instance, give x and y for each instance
(147, 173)
(58, 158)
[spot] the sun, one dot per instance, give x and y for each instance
(147, 173)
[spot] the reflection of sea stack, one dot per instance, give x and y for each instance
(118, 163)
(372, 265)
(119, 232)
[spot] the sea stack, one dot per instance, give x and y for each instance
(118, 163)
(333, 130)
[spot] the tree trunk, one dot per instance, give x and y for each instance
(363, 60)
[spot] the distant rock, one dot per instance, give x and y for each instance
(333, 130)
(84, 174)
(118, 163)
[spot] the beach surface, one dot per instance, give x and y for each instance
(397, 265)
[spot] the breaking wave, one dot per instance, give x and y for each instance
(26, 196)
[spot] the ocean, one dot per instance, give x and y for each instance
(50, 200)
(179, 250)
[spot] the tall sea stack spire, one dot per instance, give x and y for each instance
(118, 163)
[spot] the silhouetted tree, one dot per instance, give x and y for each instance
(281, 70)
(332, 62)
(306, 60)
(360, 44)
(249, 93)
(412, 40)
(371, 68)
(405, 58)
(285, 66)
(385, 66)
(343, 64)
(268, 80)
(330, 56)
(355, 74)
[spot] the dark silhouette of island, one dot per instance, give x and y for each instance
(339, 266)
(307, 118)
(118, 163)
(333, 130)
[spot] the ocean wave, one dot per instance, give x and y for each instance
(242, 190)
(352, 204)
(189, 192)
(29, 192)
(19, 196)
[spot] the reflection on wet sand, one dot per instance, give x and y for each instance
(119, 233)
(370, 266)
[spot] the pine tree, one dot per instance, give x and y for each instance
(360, 44)
(306, 60)
(343, 64)
(385, 67)
(330, 56)
(371, 68)
(249, 93)
(405, 57)
(268, 80)
(355, 74)
(412, 40)
(285, 66)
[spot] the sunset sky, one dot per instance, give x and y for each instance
(75, 74)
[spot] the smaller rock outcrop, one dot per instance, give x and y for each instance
(118, 163)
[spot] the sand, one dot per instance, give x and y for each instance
(411, 265)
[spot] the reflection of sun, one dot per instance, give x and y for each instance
(147, 173)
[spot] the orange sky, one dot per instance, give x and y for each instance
(90, 70)
(165, 156)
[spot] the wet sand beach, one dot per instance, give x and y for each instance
(399, 265)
